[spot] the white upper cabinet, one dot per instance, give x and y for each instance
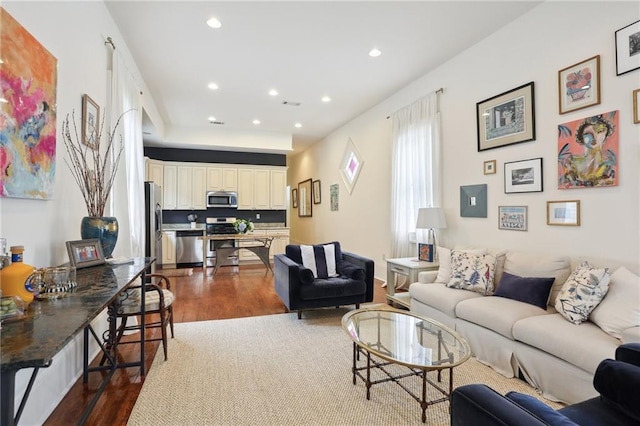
(278, 189)
(222, 178)
(191, 188)
(154, 171)
(169, 189)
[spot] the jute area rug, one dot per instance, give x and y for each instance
(278, 370)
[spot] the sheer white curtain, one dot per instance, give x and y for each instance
(415, 168)
(128, 193)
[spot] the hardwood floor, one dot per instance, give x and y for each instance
(235, 293)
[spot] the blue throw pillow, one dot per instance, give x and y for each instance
(534, 291)
(540, 409)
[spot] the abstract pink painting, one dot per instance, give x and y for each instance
(28, 77)
(588, 152)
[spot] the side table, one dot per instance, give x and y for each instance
(409, 267)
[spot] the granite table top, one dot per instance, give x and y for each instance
(49, 325)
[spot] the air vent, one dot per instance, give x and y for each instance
(291, 103)
(220, 123)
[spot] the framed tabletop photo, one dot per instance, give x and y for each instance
(85, 253)
(523, 176)
(628, 48)
(507, 118)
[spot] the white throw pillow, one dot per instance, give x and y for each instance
(582, 292)
(472, 272)
(620, 309)
(444, 260)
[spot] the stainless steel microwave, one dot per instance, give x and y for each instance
(222, 199)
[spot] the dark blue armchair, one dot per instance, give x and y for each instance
(617, 381)
(299, 289)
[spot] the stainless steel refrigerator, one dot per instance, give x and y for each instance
(153, 222)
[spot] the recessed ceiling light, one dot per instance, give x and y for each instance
(256, 121)
(212, 86)
(374, 53)
(212, 118)
(214, 23)
(273, 92)
(297, 125)
(326, 99)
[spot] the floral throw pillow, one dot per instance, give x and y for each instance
(582, 292)
(472, 272)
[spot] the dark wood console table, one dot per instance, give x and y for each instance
(33, 341)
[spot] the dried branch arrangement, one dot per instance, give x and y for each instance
(91, 168)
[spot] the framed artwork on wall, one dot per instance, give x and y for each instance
(628, 48)
(507, 118)
(636, 106)
(294, 198)
(564, 213)
(473, 201)
(351, 165)
(490, 167)
(90, 122)
(588, 152)
(513, 218)
(334, 192)
(523, 176)
(579, 85)
(305, 204)
(316, 192)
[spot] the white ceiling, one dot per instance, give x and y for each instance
(305, 50)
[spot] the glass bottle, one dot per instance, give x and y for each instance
(13, 278)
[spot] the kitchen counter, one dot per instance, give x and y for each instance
(202, 226)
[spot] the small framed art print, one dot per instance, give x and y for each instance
(513, 218)
(90, 122)
(523, 176)
(579, 85)
(85, 253)
(490, 167)
(564, 213)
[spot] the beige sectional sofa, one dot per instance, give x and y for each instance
(556, 356)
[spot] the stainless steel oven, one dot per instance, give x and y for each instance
(221, 226)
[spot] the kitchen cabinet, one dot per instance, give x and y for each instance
(278, 189)
(279, 244)
(190, 188)
(169, 189)
(222, 179)
(262, 189)
(168, 249)
(246, 255)
(154, 171)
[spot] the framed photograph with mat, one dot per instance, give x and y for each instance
(490, 167)
(579, 85)
(507, 118)
(85, 253)
(563, 213)
(90, 122)
(523, 176)
(628, 48)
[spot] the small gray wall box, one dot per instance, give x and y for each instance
(473, 201)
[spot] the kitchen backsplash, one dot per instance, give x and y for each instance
(266, 216)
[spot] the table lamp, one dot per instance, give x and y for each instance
(430, 218)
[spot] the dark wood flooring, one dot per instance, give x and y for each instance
(235, 293)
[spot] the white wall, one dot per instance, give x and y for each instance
(532, 48)
(74, 32)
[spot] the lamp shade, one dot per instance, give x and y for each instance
(431, 217)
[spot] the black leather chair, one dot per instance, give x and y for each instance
(299, 289)
(617, 381)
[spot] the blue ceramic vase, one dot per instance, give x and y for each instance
(104, 229)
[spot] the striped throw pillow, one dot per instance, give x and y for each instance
(321, 259)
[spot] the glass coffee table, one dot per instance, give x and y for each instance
(388, 337)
